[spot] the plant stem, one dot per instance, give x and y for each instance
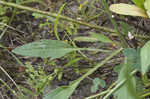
(55, 15)
(97, 95)
(123, 41)
(10, 89)
(97, 66)
(56, 22)
(100, 64)
(11, 80)
(105, 29)
(118, 85)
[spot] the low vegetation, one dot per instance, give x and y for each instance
(40, 59)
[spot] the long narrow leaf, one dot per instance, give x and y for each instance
(49, 48)
(44, 49)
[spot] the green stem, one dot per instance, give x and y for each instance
(97, 66)
(105, 29)
(100, 64)
(33, 1)
(102, 93)
(145, 95)
(10, 89)
(94, 49)
(56, 22)
(123, 41)
(55, 15)
(9, 22)
(97, 95)
(118, 85)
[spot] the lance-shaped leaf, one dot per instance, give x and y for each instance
(44, 49)
(49, 48)
(127, 9)
(95, 37)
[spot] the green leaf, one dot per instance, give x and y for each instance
(44, 49)
(95, 37)
(37, 16)
(123, 92)
(63, 92)
(94, 89)
(127, 9)
(85, 39)
(100, 82)
(145, 57)
(101, 37)
(133, 58)
(128, 89)
(96, 83)
(139, 3)
(49, 48)
(147, 4)
(117, 68)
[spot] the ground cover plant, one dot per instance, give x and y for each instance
(74, 49)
